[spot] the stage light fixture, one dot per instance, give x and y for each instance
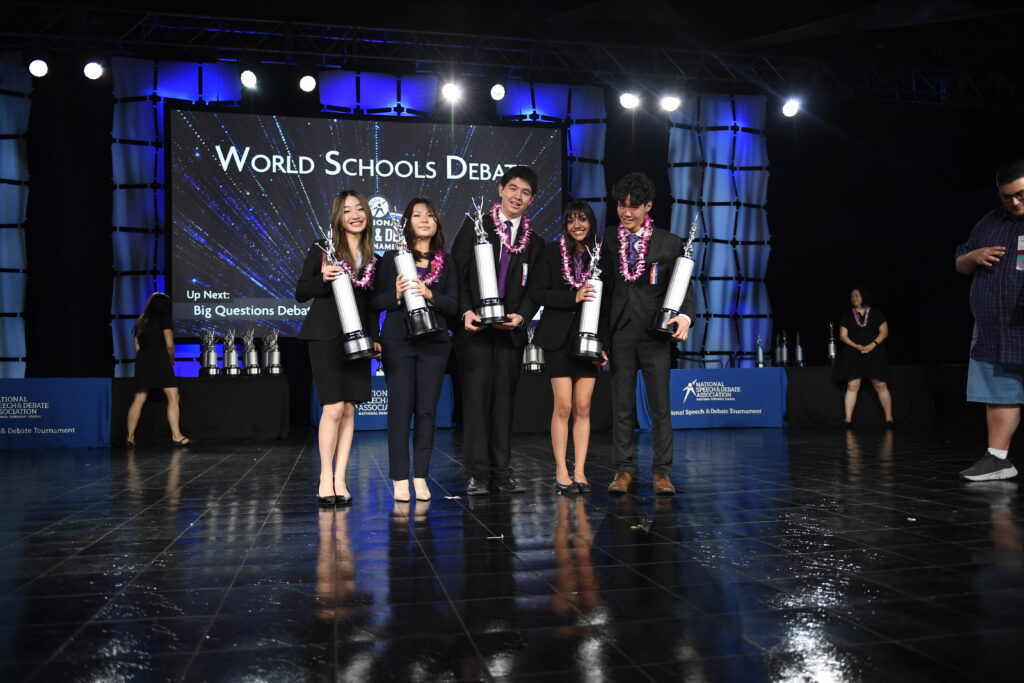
(248, 79)
(93, 70)
(497, 92)
(670, 103)
(307, 84)
(38, 68)
(451, 92)
(790, 108)
(629, 101)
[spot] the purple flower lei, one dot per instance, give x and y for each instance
(567, 271)
(646, 228)
(861, 322)
(436, 266)
(503, 236)
(366, 280)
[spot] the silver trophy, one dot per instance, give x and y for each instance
(250, 359)
(492, 309)
(760, 352)
(799, 351)
(420, 318)
(587, 344)
(271, 353)
(784, 350)
(230, 354)
(682, 271)
(533, 355)
(209, 355)
(778, 351)
(831, 344)
(355, 342)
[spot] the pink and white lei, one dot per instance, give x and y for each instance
(646, 228)
(567, 270)
(503, 235)
(436, 266)
(365, 281)
(861, 322)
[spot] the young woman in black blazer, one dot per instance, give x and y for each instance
(560, 288)
(340, 384)
(414, 368)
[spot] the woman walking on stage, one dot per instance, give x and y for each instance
(340, 383)
(154, 365)
(560, 288)
(414, 368)
(862, 329)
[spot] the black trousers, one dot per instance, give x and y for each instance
(415, 373)
(489, 365)
(633, 349)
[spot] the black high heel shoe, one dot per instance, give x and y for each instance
(583, 486)
(343, 501)
(565, 489)
(327, 501)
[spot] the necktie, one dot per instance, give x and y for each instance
(503, 264)
(631, 254)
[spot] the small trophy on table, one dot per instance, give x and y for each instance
(831, 345)
(784, 350)
(533, 355)
(250, 359)
(355, 342)
(209, 354)
(760, 352)
(799, 350)
(230, 353)
(587, 344)
(492, 309)
(271, 353)
(420, 319)
(677, 286)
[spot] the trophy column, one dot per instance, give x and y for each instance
(420, 319)
(677, 286)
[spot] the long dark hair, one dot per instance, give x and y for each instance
(337, 232)
(156, 312)
(865, 295)
(579, 207)
(436, 242)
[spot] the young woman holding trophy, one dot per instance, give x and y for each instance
(568, 287)
(338, 275)
(418, 287)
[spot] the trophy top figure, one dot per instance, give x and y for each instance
(270, 340)
(760, 344)
(209, 338)
(248, 339)
(229, 336)
(688, 247)
(595, 261)
(396, 226)
(327, 246)
(478, 221)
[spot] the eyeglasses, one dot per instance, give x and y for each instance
(1010, 198)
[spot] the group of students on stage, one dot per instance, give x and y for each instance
(636, 260)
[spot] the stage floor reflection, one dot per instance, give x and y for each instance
(786, 556)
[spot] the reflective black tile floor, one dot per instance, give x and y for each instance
(786, 556)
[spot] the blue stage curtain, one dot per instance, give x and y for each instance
(718, 169)
(15, 102)
(141, 88)
(349, 92)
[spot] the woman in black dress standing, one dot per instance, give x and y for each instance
(560, 287)
(862, 330)
(340, 383)
(154, 365)
(414, 368)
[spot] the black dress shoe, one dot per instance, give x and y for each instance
(889, 424)
(570, 489)
(583, 487)
(476, 487)
(327, 501)
(847, 425)
(343, 501)
(510, 485)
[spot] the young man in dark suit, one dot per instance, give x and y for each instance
(489, 355)
(638, 260)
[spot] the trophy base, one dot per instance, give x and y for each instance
(232, 371)
(491, 311)
(587, 347)
(274, 370)
(421, 322)
(357, 345)
(252, 370)
(660, 327)
(209, 372)
(532, 368)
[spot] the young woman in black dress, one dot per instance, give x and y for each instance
(862, 330)
(154, 365)
(560, 288)
(340, 383)
(414, 368)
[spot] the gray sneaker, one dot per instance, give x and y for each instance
(990, 468)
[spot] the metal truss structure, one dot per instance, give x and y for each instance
(162, 35)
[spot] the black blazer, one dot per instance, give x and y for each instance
(521, 267)
(322, 321)
(446, 299)
(637, 302)
(561, 315)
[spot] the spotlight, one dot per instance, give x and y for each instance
(307, 83)
(629, 101)
(248, 79)
(451, 92)
(497, 92)
(93, 70)
(38, 68)
(790, 108)
(670, 103)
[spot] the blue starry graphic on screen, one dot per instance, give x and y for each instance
(249, 194)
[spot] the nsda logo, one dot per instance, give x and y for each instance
(386, 233)
(379, 207)
(709, 391)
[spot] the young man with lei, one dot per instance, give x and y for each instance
(637, 266)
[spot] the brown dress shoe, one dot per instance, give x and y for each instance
(621, 482)
(663, 485)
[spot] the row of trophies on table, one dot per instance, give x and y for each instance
(251, 365)
(781, 357)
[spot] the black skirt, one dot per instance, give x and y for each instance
(153, 368)
(559, 363)
(337, 379)
(852, 364)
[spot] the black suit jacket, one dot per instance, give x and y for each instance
(520, 269)
(322, 321)
(445, 304)
(561, 316)
(637, 302)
